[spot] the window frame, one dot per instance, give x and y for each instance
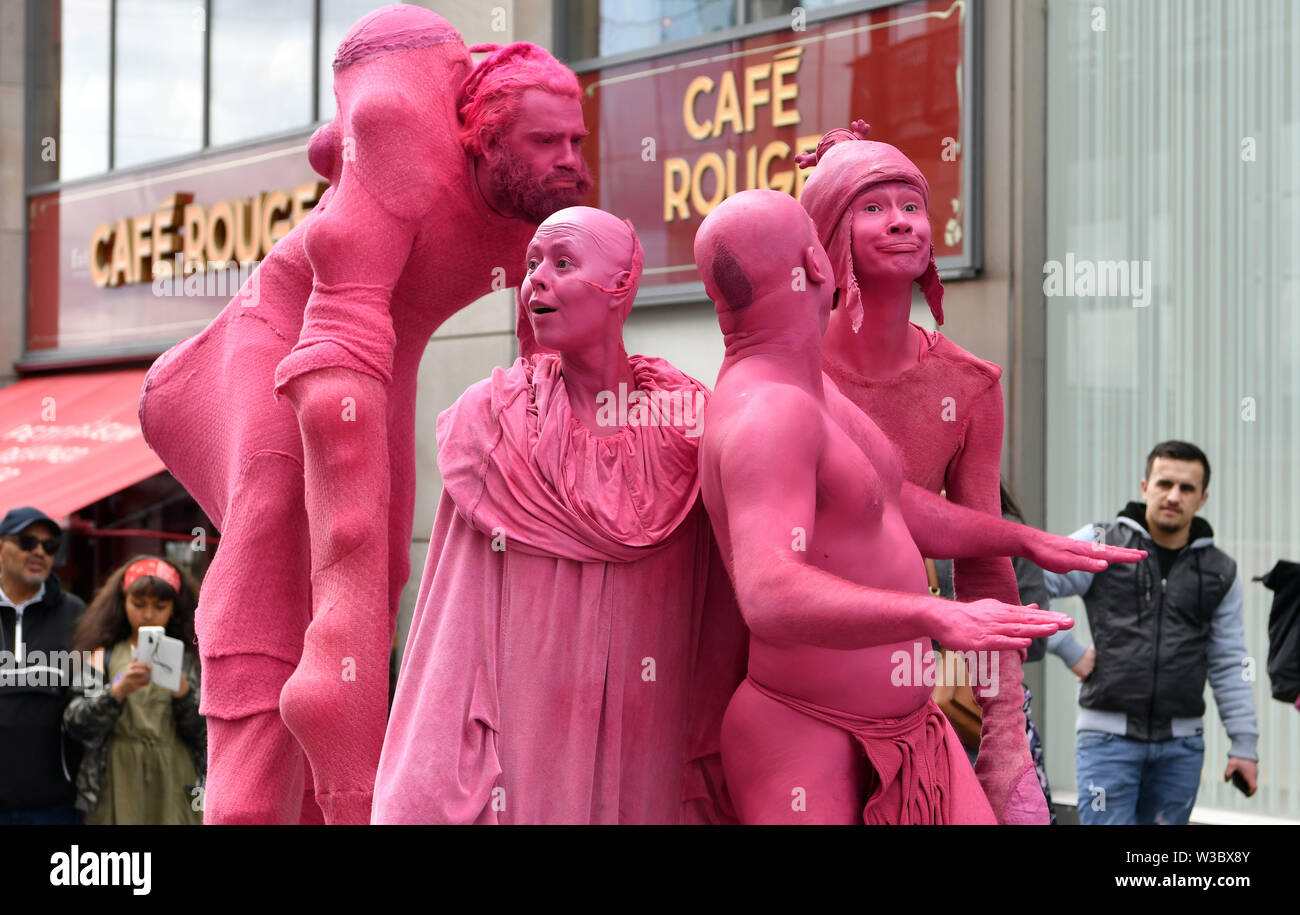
(969, 264)
(207, 149)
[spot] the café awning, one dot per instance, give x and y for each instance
(71, 439)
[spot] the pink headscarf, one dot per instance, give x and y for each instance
(844, 170)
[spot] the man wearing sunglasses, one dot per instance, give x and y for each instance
(36, 619)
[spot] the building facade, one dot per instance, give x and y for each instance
(1149, 132)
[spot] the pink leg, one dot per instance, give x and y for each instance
(783, 767)
(311, 814)
(258, 744)
(336, 702)
(252, 612)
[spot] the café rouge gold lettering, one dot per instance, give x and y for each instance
(711, 107)
(141, 248)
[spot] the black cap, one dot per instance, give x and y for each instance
(17, 520)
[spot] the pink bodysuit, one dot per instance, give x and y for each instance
(944, 416)
(401, 241)
(576, 639)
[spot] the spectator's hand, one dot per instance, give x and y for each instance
(185, 687)
(1249, 770)
(1064, 554)
(134, 677)
(1083, 668)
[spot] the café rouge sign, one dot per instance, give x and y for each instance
(141, 248)
(734, 104)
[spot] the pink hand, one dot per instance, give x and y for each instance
(992, 625)
(1063, 554)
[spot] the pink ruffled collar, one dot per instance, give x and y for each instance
(519, 465)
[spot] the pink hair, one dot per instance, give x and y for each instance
(489, 98)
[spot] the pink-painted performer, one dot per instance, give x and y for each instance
(576, 638)
(291, 417)
(821, 536)
(938, 404)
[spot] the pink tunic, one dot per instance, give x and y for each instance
(575, 640)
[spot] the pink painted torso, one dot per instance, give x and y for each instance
(859, 467)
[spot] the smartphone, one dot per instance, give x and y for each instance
(1237, 779)
(147, 644)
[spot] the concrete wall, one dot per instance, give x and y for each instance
(13, 60)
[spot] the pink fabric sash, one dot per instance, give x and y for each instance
(912, 783)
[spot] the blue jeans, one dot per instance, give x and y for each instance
(1125, 782)
(58, 815)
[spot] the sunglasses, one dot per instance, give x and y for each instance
(28, 542)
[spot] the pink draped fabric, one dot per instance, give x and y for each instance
(575, 640)
(920, 775)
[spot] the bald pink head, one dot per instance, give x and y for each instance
(756, 243)
(584, 268)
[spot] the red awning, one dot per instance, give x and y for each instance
(69, 440)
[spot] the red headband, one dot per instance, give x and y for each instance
(155, 567)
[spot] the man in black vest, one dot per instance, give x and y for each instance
(37, 618)
(1160, 628)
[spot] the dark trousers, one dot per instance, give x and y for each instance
(59, 815)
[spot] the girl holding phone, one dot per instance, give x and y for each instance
(146, 746)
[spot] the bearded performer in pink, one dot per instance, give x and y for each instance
(938, 404)
(821, 536)
(576, 639)
(291, 417)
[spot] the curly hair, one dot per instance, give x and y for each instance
(105, 621)
(488, 100)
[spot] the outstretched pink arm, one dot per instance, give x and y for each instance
(946, 530)
(784, 598)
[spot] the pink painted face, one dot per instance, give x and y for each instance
(537, 168)
(891, 232)
(574, 253)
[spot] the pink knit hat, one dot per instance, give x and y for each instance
(847, 163)
(389, 29)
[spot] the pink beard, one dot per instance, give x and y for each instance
(512, 178)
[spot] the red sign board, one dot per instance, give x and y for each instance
(674, 135)
(135, 263)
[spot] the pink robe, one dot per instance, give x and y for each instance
(578, 672)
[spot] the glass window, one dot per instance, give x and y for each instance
(158, 95)
(336, 17)
(69, 82)
(260, 68)
(1172, 296)
(599, 28)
